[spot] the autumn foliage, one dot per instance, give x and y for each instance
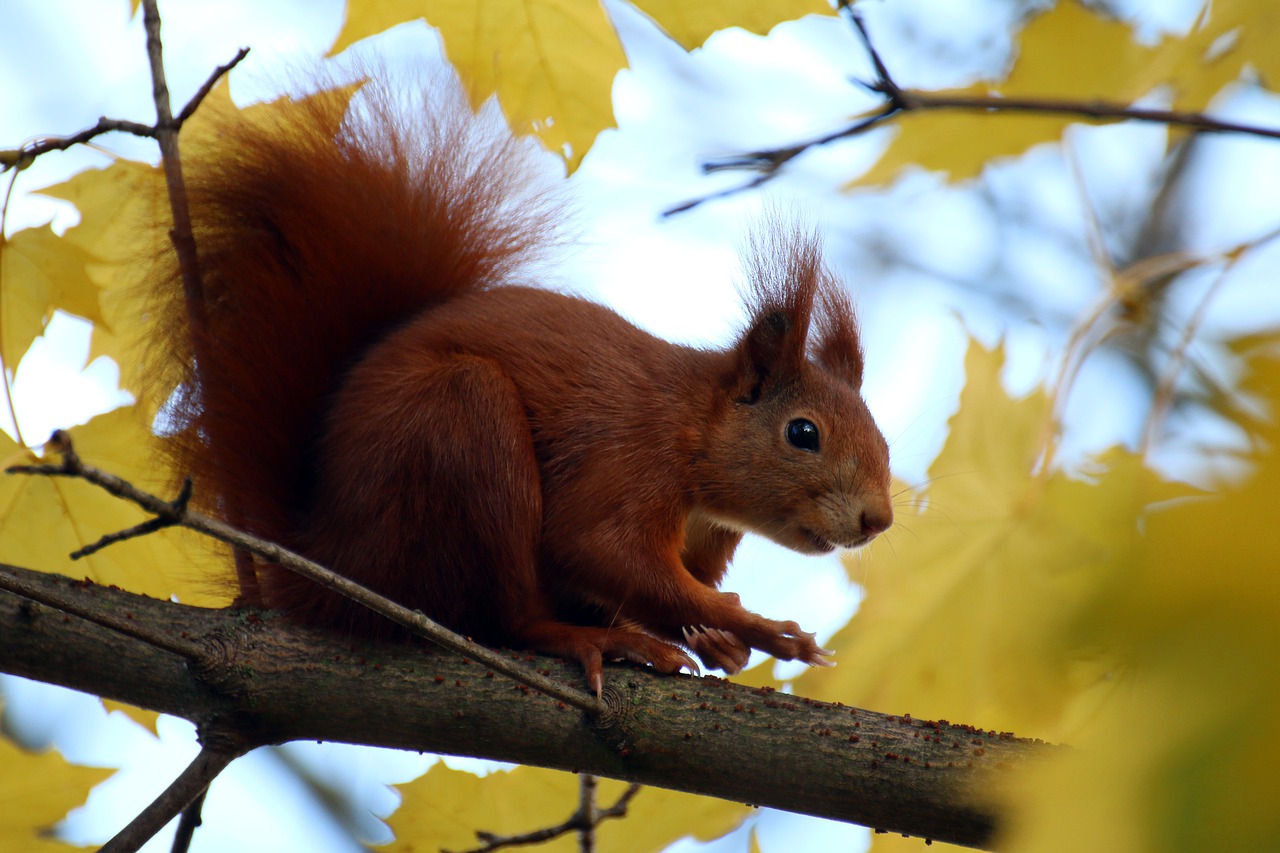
(1105, 604)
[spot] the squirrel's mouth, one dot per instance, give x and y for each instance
(820, 544)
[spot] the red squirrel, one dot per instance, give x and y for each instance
(382, 386)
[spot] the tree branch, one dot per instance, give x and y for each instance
(182, 236)
(769, 162)
(190, 822)
(189, 787)
(583, 821)
(178, 513)
(23, 156)
(268, 682)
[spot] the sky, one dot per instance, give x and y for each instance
(910, 252)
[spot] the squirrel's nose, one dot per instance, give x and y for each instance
(876, 520)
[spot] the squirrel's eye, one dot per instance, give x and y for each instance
(803, 434)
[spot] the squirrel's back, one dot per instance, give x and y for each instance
(321, 224)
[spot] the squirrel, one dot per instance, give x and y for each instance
(381, 384)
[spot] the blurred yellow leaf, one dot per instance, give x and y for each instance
(1074, 52)
(444, 808)
(958, 142)
(37, 791)
(1183, 757)
(44, 519)
(551, 62)
(967, 601)
(690, 24)
(141, 716)
(39, 273)
(1071, 53)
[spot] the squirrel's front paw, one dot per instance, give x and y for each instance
(718, 649)
(788, 642)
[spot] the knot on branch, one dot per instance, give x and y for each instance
(610, 723)
(227, 735)
(215, 664)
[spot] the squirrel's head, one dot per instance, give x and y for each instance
(795, 454)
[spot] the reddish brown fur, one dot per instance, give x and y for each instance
(523, 466)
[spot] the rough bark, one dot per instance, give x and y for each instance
(260, 680)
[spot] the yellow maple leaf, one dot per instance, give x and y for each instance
(444, 808)
(44, 519)
(690, 24)
(551, 62)
(1184, 756)
(967, 603)
(117, 236)
(37, 791)
(141, 716)
(40, 272)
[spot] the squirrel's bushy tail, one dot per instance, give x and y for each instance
(320, 223)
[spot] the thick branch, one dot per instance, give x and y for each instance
(271, 682)
(177, 512)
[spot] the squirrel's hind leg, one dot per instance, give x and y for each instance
(447, 517)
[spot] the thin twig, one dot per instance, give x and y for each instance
(883, 77)
(22, 156)
(145, 528)
(188, 825)
(183, 235)
(590, 815)
(1103, 110)
(167, 137)
(207, 87)
(190, 784)
(583, 821)
(72, 466)
(1166, 386)
(770, 161)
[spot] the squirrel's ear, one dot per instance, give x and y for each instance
(838, 348)
(784, 268)
(768, 350)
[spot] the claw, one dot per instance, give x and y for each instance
(723, 636)
(820, 662)
(597, 683)
(825, 652)
(689, 664)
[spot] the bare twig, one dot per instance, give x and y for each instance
(147, 527)
(189, 785)
(167, 137)
(188, 825)
(769, 162)
(207, 87)
(176, 512)
(22, 156)
(583, 821)
(183, 236)
(19, 158)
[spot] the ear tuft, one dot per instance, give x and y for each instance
(838, 347)
(784, 266)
